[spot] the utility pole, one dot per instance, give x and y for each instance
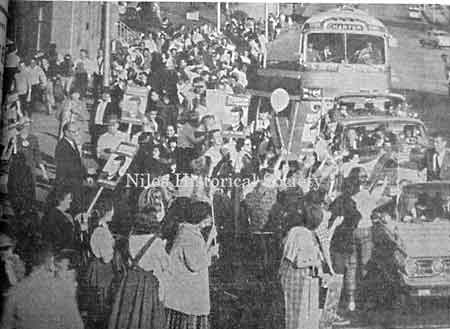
(107, 46)
(218, 17)
(266, 18)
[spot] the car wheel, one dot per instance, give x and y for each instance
(422, 43)
(435, 44)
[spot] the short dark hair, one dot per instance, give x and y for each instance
(66, 126)
(71, 255)
(42, 252)
(61, 193)
(200, 210)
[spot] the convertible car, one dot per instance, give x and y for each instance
(412, 240)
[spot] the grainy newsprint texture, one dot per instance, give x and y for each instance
(188, 165)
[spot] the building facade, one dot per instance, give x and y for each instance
(73, 25)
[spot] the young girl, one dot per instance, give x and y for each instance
(100, 273)
(187, 296)
(138, 303)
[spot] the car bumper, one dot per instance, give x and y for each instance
(438, 286)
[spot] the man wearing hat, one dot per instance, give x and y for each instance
(111, 139)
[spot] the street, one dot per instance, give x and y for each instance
(245, 297)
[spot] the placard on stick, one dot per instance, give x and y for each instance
(117, 165)
(134, 105)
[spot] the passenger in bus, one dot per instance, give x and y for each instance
(410, 132)
(352, 141)
(312, 55)
(368, 55)
(327, 55)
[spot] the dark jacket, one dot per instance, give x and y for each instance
(343, 241)
(60, 231)
(69, 168)
(442, 173)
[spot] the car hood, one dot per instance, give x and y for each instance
(422, 240)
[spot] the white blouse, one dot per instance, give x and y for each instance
(102, 243)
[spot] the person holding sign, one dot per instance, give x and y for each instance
(110, 140)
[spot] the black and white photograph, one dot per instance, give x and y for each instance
(224, 165)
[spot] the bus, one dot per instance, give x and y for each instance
(342, 51)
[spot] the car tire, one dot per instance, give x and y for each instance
(422, 43)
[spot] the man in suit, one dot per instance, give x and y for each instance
(70, 170)
(437, 160)
(105, 109)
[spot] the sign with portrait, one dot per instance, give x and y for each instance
(117, 165)
(134, 105)
(223, 106)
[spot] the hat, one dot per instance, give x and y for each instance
(112, 119)
(6, 241)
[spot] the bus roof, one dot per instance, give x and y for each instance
(347, 15)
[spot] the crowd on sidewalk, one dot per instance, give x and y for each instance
(141, 257)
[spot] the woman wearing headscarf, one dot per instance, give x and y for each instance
(138, 303)
(187, 298)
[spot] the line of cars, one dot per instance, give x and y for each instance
(412, 223)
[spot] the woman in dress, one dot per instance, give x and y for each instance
(300, 264)
(138, 302)
(187, 297)
(101, 271)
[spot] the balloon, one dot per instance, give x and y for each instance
(279, 100)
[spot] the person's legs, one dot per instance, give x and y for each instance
(363, 239)
(350, 279)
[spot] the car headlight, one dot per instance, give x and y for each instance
(410, 267)
(311, 92)
(438, 266)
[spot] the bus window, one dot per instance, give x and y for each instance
(365, 49)
(325, 47)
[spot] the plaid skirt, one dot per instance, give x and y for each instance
(99, 291)
(301, 297)
(136, 304)
(179, 320)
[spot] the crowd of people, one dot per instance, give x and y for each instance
(140, 257)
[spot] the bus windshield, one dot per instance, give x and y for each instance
(332, 48)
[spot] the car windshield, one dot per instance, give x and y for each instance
(373, 136)
(340, 48)
(360, 105)
(423, 202)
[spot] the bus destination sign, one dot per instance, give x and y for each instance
(345, 26)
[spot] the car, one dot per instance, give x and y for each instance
(436, 39)
(371, 134)
(385, 146)
(411, 235)
(364, 104)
